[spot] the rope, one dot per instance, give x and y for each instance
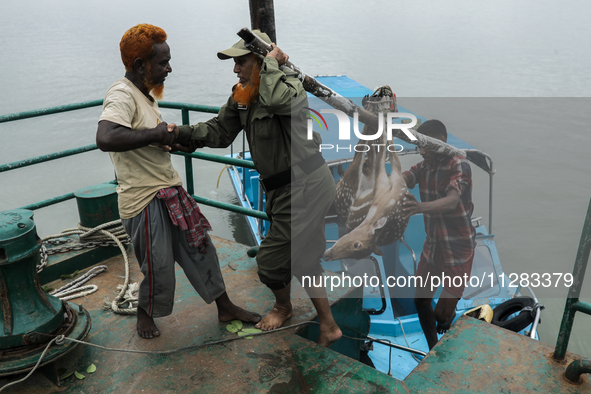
(406, 340)
(117, 230)
(35, 367)
(192, 347)
(126, 301)
(222, 171)
(67, 291)
(128, 295)
(60, 340)
(220, 176)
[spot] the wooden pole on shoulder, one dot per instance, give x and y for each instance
(335, 100)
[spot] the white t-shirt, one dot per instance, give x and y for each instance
(141, 172)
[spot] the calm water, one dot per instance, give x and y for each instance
(527, 62)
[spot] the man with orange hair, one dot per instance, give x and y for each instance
(163, 221)
(268, 103)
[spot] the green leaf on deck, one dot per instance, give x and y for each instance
(48, 289)
(252, 330)
(79, 375)
(237, 323)
(234, 326)
(243, 334)
(91, 368)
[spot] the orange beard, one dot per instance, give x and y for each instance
(247, 94)
(156, 90)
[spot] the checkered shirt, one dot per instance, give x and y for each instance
(452, 231)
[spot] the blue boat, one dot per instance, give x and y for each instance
(397, 342)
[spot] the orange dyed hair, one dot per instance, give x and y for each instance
(138, 42)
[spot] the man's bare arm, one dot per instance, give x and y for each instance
(113, 137)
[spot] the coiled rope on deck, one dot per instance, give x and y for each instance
(69, 291)
(107, 234)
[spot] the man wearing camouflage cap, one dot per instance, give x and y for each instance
(299, 186)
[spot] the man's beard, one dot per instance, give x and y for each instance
(248, 93)
(156, 90)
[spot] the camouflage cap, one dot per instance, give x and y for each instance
(239, 49)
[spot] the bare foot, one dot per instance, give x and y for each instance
(275, 317)
(329, 334)
(145, 325)
(442, 328)
(237, 313)
(228, 311)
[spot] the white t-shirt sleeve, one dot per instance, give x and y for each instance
(119, 107)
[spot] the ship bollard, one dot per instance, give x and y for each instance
(30, 318)
(97, 204)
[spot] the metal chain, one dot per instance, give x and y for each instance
(126, 301)
(118, 231)
(58, 241)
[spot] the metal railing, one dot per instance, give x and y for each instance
(573, 304)
(183, 107)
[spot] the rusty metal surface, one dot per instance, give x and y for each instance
(42, 294)
(6, 309)
(477, 357)
(36, 341)
(279, 362)
(11, 368)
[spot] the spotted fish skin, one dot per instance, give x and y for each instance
(355, 190)
(369, 201)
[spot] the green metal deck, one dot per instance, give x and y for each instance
(277, 362)
(474, 357)
(477, 357)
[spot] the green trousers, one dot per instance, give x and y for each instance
(295, 242)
